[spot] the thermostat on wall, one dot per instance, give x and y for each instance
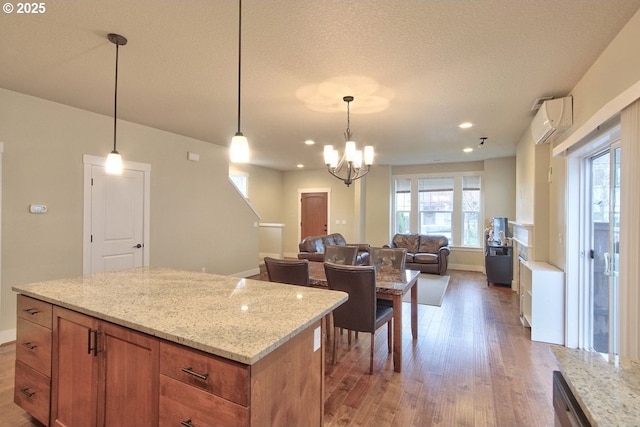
(38, 209)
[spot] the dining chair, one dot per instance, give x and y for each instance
(361, 312)
(293, 271)
(339, 254)
(390, 259)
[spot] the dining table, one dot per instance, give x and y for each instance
(391, 285)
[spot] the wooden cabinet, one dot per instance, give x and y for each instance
(542, 301)
(77, 370)
(284, 388)
(103, 374)
(33, 358)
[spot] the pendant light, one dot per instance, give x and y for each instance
(239, 149)
(114, 159)
(352, 159)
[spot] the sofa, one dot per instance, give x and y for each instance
(312, 248)
(425, 252)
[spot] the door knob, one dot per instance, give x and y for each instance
(138, 246)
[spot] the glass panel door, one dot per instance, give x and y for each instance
(605, 229)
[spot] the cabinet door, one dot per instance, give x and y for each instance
(74, 370)
(129, 369)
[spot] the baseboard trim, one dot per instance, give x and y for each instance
(247, 273)
(466, 267)
(7, 336)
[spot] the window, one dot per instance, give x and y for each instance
(240, 180)
(470, 210)
(447, 205)
(403, 205)
(436, 205)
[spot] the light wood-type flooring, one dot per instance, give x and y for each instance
(473, 364)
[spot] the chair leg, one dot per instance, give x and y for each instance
(335, 338)
(389, 336)
(349, 336)
(373, 341)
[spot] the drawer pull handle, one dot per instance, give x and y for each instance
(190, 371)
(29, 345)
(31, 311)
(187, 423)
(26, 392)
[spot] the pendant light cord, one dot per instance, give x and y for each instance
(239, 57)
(115, 101)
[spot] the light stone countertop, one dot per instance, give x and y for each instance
(608, 391)
(235, 318)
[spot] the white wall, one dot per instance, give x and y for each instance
(196, 214)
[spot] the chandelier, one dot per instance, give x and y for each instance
(350, 166)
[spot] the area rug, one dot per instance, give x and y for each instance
(431, 289)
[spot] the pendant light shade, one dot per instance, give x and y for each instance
(114, 163)
(114, 159)
(239, 149)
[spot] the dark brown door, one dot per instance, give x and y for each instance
(313, 207)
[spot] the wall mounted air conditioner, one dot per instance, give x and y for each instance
(554, 116)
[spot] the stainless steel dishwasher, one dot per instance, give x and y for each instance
(566, 408)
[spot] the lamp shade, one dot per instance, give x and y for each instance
(239, 149)
(368, 155)
(114, 163)
(328, 154)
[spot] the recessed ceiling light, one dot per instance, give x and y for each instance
(465, 125)
(299, 165)
(468, 150)
(309, 142)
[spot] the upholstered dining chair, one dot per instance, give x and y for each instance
(361, 312)
(291, 271)
(388, 258)
(338, 254)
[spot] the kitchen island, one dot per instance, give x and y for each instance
(158, 346)
(607, 391)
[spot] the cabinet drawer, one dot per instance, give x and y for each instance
(224, 378)
(180, 402)
(35, 310)
(33, 346)
(32, 391)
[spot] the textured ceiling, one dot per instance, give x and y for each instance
(416, 69)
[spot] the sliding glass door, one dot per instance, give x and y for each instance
(603, 231)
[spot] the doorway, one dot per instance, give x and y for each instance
(314, 212)
(116, 217)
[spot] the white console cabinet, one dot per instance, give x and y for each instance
(542, 301)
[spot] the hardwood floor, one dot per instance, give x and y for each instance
(472, 365)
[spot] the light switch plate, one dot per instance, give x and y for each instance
(38, 209)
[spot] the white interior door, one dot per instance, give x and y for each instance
(117, 208)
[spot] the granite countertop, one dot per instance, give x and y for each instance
(608, 391)
(235, 318)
